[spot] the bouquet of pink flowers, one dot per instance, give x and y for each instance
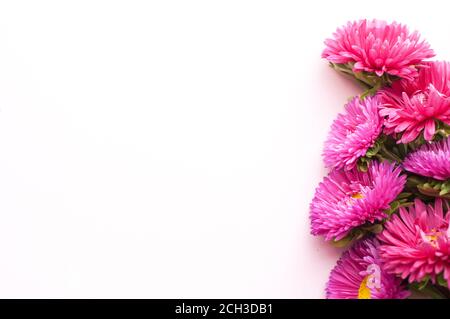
(387, 196)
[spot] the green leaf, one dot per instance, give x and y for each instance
(344, 242)
(404, 195)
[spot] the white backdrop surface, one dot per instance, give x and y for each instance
(168, 149)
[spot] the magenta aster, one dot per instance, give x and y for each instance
(413, 107)
(416, 242)
(359, 274)
(430, 160)
(378, 47)
(353, 133)
(347, 199)
(436, 73)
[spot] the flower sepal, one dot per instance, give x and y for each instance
(434, 188)
(369, 80)
(429, 187)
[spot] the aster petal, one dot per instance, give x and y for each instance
(429, 130)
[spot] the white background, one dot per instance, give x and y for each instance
(171, 148)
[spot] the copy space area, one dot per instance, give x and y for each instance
(170, 149)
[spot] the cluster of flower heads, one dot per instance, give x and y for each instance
(387, 195)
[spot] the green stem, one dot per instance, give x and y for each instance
(389, 155)
(369, 92)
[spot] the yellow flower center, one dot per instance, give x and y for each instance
(364, 291)
(357, 196)
(432, 237)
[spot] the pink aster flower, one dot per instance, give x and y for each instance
(430, 160)
(345, 200)
(353, 133)
(359, 274)
(416, 242)
(378, 47)
(436, 73)
(413, 107)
